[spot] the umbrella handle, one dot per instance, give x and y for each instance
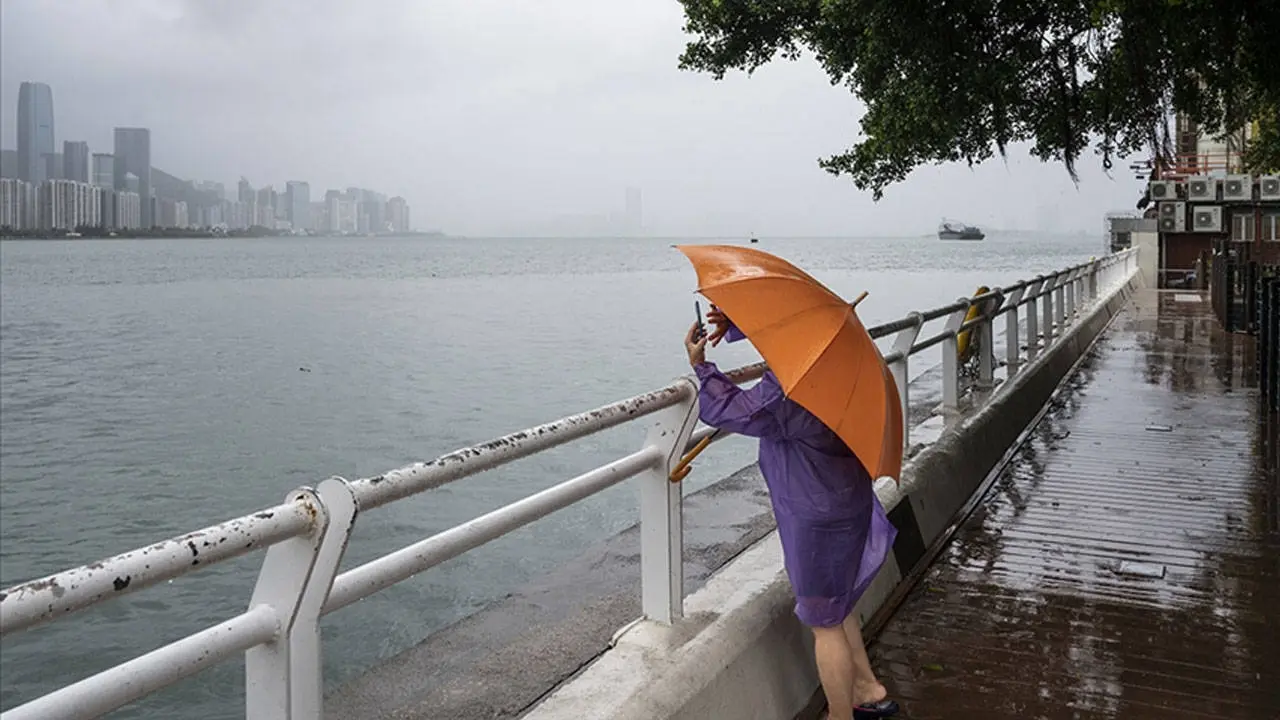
(683, 468)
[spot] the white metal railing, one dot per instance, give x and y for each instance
(306, 535)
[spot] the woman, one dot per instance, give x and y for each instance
(834, 532)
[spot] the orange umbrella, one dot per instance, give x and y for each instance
(813, 342)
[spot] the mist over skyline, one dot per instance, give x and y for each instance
(499, 119)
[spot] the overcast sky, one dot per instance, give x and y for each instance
(496, 116)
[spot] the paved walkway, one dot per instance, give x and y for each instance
(1126, 563)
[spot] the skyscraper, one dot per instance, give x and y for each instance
(298, 203)
(35, 130)
(75, 160)
(398, 214)
(53, 166)
(104, 173)
(133, 155)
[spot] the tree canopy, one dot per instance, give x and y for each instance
(960, 80)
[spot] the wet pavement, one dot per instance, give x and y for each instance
(1126, 562)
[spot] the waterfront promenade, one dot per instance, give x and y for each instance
(1124, 563)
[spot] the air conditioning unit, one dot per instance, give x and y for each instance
(1163, 190)
(1173, 217)
(1270, 187)
(1207, 219)
(1202, 187)
(1238, 188)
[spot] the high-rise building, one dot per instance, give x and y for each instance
(67, 205)
(104, 174)
(173, 214)
(53, 166)
(75, 161)
(133, 155)
(319, 216)
(35, 130)
(244, 191)
(265, 210)
(128, 210)
(298, 202)
(9, 164)
(17, 204)
(398, 214)
(107, 204)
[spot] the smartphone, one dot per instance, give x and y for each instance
(702, 329)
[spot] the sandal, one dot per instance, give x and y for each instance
(870, 711)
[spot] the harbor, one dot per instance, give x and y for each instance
(1059, 295)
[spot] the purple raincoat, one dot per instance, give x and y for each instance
(834, 532)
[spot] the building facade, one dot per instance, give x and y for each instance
(104, 173)
(17, 204)
(75, 161)
(35, 130)
(298, 202)
(67, 205)
(133, 156)
(398, 215)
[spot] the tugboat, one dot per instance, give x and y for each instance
(959, 231)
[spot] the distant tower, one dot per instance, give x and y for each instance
(35, 130)
(635, 214)
(104, 170)
(75, 160)
(298, 204)
(133, 155)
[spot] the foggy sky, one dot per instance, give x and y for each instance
(497, 117)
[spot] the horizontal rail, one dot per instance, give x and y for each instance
(382, 489)
(365, 580)
(145, 674)
(37, 601)
(302, 593)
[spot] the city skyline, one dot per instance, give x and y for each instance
(67, 191)
(502, 131)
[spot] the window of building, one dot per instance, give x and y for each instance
(1242, 227)
(1271, 226)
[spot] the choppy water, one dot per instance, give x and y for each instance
(148, 388)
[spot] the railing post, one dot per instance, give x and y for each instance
(1072, 277)
(283, 580)
(662, 511)
(951, 359)
(1059, 303)
(307, 681)
(1012, 354)
(902, 343)
(1093, 279)
(1047, 307)
(986, 351)
(1033, 318)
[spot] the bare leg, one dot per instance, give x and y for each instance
(836, 670)
(866, 688)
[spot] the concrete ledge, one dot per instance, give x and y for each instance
(741, 653)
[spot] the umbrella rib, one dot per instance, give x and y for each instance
(757, 278)
(791, 318)
(852, 390)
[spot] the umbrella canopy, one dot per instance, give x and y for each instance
(813, 342)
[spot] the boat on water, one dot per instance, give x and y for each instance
(959, 231)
